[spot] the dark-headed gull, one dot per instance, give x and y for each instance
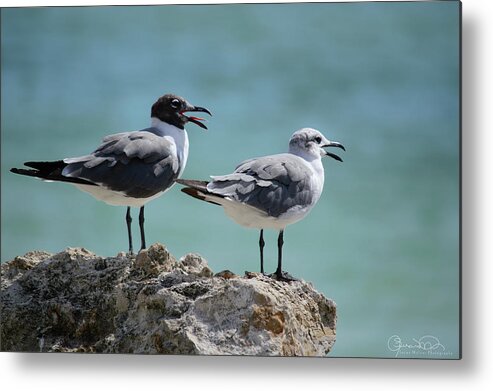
(130, 168)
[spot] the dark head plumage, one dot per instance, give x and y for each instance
(170, 108)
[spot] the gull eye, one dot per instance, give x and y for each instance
(175, 103)
(318, 139)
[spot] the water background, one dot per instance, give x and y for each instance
(381, 78)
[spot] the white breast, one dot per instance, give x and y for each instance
(251, 217)
(177, 137)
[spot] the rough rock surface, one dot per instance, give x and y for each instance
(77, 301)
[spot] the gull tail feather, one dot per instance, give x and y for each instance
(48, 171)
(198, 189)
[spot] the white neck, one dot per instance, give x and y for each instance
(313, 159)
(304, 153)
(166, 129)
(178, 137)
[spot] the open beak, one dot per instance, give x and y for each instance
(333, 144)
(195, 120)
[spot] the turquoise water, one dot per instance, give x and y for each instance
(381, 78)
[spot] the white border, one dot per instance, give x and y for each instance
(25, 3)
(125, 372)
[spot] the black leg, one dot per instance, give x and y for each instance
(141, 225)
(280, 242)
(279, 275)
(261, 244)
(129, 224)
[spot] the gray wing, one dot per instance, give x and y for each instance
(272, 184)
(138, 164)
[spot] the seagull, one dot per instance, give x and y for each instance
(271, 192)
(130, 168)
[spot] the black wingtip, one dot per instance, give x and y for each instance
(192, 192)
(182, 182)
(47, 166)
(201, 185)
(195, 193)
(23, 171)
(50, 176)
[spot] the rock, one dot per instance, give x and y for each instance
(77, 301)
(227, 274)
